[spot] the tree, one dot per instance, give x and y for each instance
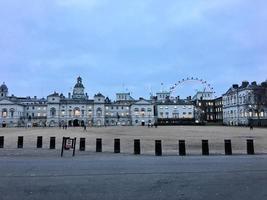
(259, 94)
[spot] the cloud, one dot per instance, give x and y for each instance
(140, 43)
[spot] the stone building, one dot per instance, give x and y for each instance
(245, 104)
(75, 110)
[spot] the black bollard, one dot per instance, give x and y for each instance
(228, 147)
(1, 141)
(158, 148)
(250, 147)
(20, 142)
(182, 151)
(52, 142)
(98, 145)
(137, 149)
(82, 144)
(205, 147)
(39, 142)
(117, 146)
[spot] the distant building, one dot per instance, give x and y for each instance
(204, 95)
(142, 112)
(245, 104)
(75, 110)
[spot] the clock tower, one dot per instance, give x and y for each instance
(78, 91)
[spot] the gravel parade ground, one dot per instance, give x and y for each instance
(169, 136)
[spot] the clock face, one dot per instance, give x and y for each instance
(78, 91)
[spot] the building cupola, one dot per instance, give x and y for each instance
(78, 91)
(3, 90)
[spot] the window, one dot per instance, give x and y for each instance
(4, 112)
(98, 112)
(12, 112)
(53, 112)
(77, 112)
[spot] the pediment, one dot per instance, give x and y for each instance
(5, 101)
(142, 102)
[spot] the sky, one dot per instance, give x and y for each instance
(140, 46)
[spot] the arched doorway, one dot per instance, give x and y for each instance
(143, 123)
(82, 123)
(76, 122)
(70, 123)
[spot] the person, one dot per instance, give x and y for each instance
(84, 127)
(251, 126)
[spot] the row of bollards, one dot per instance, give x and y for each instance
(137, 145)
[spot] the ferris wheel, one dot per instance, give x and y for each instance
(206, 86)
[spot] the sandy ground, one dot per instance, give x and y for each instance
(169, 136)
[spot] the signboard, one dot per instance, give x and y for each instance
(67, 144)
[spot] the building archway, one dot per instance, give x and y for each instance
(82, 123)
(70, 123)
(76, 123)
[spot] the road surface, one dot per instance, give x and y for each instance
(117, 176)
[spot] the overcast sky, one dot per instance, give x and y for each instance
(116, 45)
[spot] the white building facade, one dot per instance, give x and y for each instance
(245, 104)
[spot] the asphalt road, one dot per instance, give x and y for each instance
(115, 177)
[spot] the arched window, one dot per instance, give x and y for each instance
(53, 112)
(4, 112)
(262, 113)
(12, 110)
(76, 112)
(99, 112)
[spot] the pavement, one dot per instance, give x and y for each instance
(123, 176)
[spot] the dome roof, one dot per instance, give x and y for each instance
(79, 83)
(99, 95)
(3, 87)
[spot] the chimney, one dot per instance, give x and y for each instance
(254, 83)
(69, 95)
(235, 86)
(245, 84)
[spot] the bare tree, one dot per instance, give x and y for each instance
(259, 93)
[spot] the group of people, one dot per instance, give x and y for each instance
(150, 125)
